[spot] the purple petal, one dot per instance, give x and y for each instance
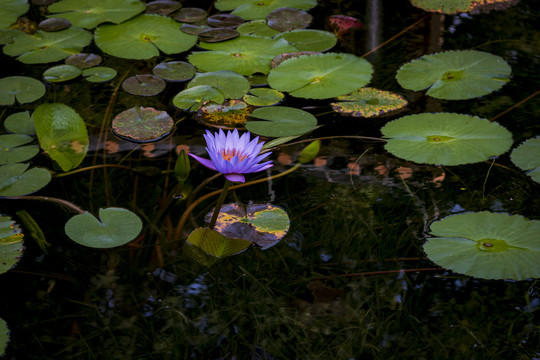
(208, 163)
(235, 177)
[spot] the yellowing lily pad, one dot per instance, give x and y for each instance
(368, 102)
(527, 157)
(11, 244)
(230, 114)
(141, 124)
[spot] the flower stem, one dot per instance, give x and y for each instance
(219, 204)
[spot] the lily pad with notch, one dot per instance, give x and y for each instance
(309, 39)
(12, 245)
(115, 227)
(368, 102)
(174, 71)
(281, 121)
(287, 19)
(60, 73)
(229, 115)
(527, 157)
(263, 97)
(230, 83)
(140, 124)
(257, 28)
(20, 123)
(23, 89)
(455, 75)
(144, 85)
(253, 10)
(193, 98)
(11, 10)
(445, 138)
(99, 74)
(486, 245)
(84, 60)
(14, 148)
(17, 179)
(207, 246)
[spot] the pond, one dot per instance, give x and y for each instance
(355, 244)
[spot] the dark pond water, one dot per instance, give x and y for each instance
(349, 280)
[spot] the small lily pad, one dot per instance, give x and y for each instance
(287, 19)
(18, 180)
(215, 244)
(281, 121)
(13, 149)
(162, 7)
(230, 83)
(253, 10)
(144, 85)
(486, 245)
(343, 24)
(141, 124)
(20, 123)
(455, 75)
(11, 246)
(21, 88)
(61, 73)
(286, 56)
(262, 224)
(11, 10)
(54, 24)
(190, 15)
(99, 74)
(257, 28)
(224, 21)
(218, 34)
(174, 71)
(263, 97)
(527, 157)
(193, 98)
(115, 227)
(445, 138)
(368, 102)
(84, 60)
(230, 114)
(310, 40)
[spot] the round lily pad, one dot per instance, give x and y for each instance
(445, 138)
(162, 7)
(486, 245)
(218, 34)
(21, 88)
(527, 157)
(18, 180)
(460, 6)
(11, 10)
(4, 336)
(61, 73)
(224, 21)
(230, 114)
(193, 98)
(14, 148)
(263, 97)
(99, 74)
(115, 227)
(455, 75)
(230, 83)
(194, 29)
(54, 24)
(321, 76)
(84, 60)
(281, 121)
(20, 123)
(190, 15)
(141, 124)
(286, 56)
(174, 71)
(309, 39)
(253, 10)
(11, 251)
(368, 102)
(144, 85)
(257, 28)
(287, 19)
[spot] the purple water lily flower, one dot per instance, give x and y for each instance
(233, 155)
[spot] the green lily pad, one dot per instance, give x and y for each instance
(193, 98)
(281, 121)
(286, 56)
(174, 71)
(61, 73)
(143, 37)
(287, 19)
(218, 34)
(12, 149)
(142, 124)
(215, 244)
(257, 28)
(4, 336)
(144, 85)
(486, 245)
(90, 13)
(455, 75)
(263, 97)
(310, 40)
(115, 227)
(84, 60)
(54, 24)
(245, 54)
(527, 157)
(8, 35)
(21, 88)
(17, 180)
(44, 47)
(253, 10)
(445, 138)
(230, 114)
(190, 15)
(11, 10)
(194, 29)
(460, 6)
(230, 83)
(61, 133)
(20, 123)
(224, 21)
(368, 102)
(321, 76)
(162, 7)
(99, 74)
(11, 246)
(262, 224)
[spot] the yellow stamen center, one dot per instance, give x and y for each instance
(229, 154)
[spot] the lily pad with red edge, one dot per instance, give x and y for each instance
(193, 98)
(14, 148)
(140, 124)
(22, 89)
(527, 157)
(17, 179)
(368, 102)
(20, 123)
(190, 15)
(253, 10)
(218, 34)
(486, 245)
(174, 71)
(84, 60)
(287, 19)
(12, 246)
(224, 21)
(162, 7)
(144, 85)
(455, 75)
(262, 224)
(280, 121)
(230, 83)
(230, 114)
(343, 24)
(61, 73)
(445, 138)
(99, 74)
(257, 28)
(309, 39)
(54, 24)
(263, 97)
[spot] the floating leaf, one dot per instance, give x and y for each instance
(445, 138)
(257, 28)
(193, 98)
(459, 6)
(61, 133)
(141, 124)
(174, 70)
(20, 123)
(115, 227)
(321, 76)
(230, 83)
(224, 21)
(310, 40)
(263, 97)
(144, 85)
(309, 152)
(54, 24)
(99, 74)
(486, 245)
(61, 73)
(11, 247)
(12, 149)
(190, 15)
(8, 35)
(143, 37)
(90, 13)
(194, 29)
(218, 34)
(455, 75)
(84, 60)
(262, 224)
(11, 10)
(15, 180)
(21, 88)
(287, 19)
(215, 244)
(527, 157)
(232, 113)
(282, 121)
(368, 102)
(343, 24)
(286, 56)
(253, 10)
(162, 7)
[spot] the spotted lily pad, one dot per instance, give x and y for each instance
(230, 114)
(144, 85)
(309, 39)
(18, 180)
(11, 245)
(230, 83)
(321, 76)
(252, 10)
(445, 138)
(99, 74)
(20, 123)
(84, 60)
(11, 10)
(262, 224)
(527, 157)
(21, 88)
(368, 102)
(263, 97)
(281, 121)
(486, 245)
(61, 73)
(455, 75)
(174, 70)
(193, 98)
(115, 227)
(141, 124)
(14, 148)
